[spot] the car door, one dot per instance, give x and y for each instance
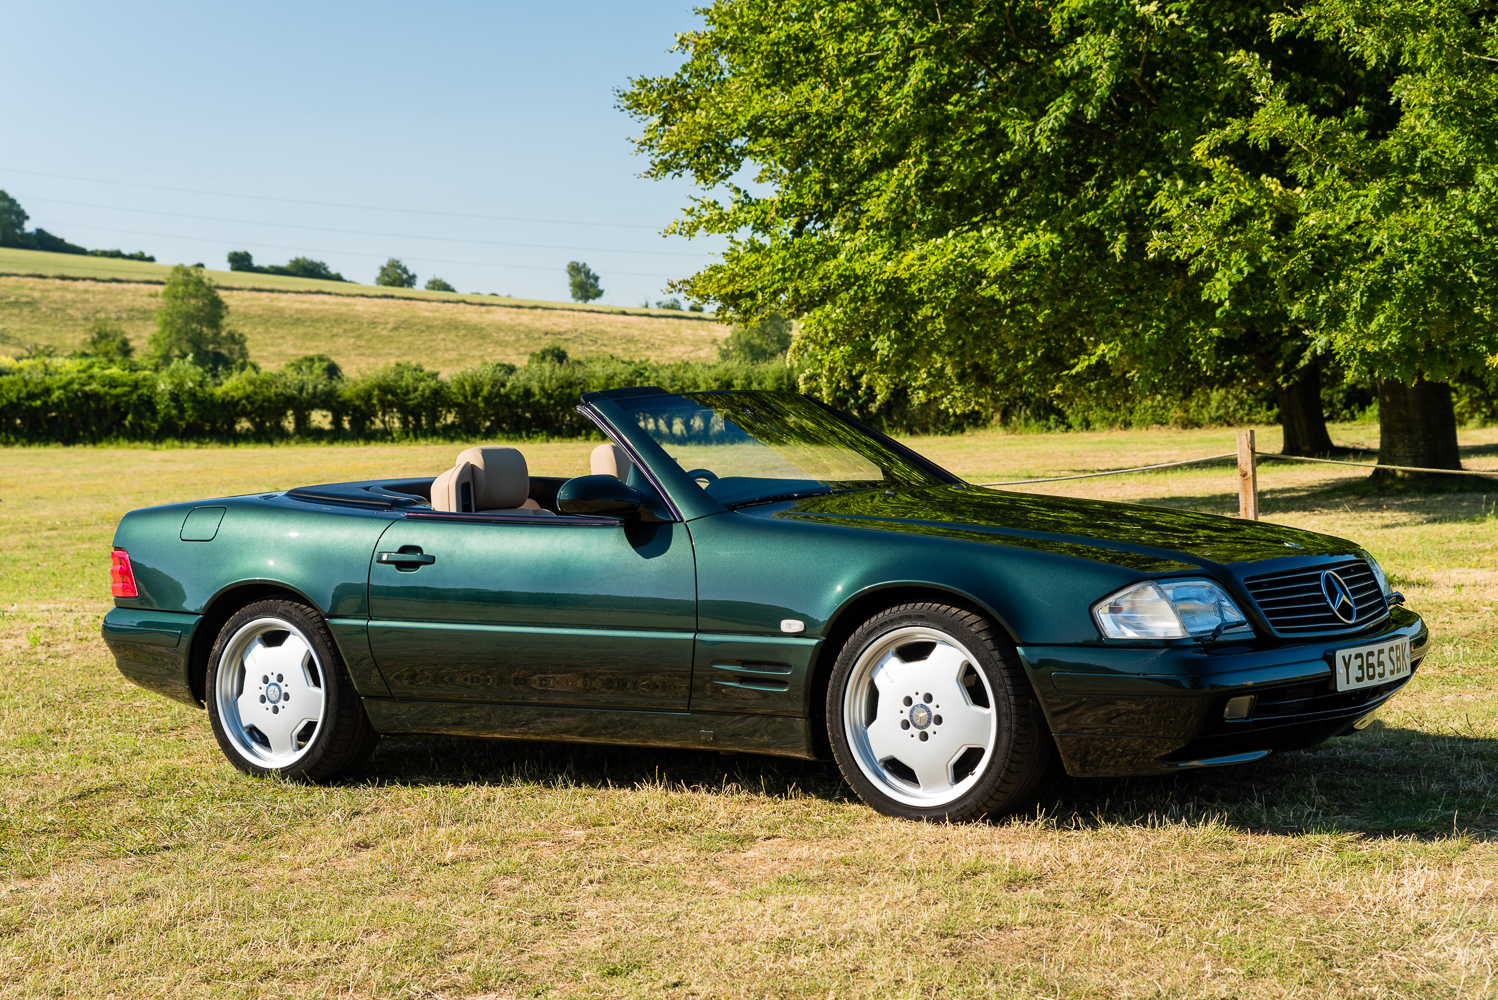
(535, 610)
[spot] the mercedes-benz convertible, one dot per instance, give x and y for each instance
(755, 572)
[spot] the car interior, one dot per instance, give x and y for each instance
(494, 479)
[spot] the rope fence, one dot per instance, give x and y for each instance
(1248, 473)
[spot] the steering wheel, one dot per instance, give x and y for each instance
(708, 474)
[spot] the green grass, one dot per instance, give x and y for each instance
(138, 863)
(50, 299)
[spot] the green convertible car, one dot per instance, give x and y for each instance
(754, 571)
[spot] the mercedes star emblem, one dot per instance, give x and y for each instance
(1339, 597)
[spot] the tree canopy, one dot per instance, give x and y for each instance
(394, 274)
(190, 324)
(582, 282)
(966, 201)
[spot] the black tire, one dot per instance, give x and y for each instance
(328, 736)
(997, 773)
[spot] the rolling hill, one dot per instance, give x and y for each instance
(50, 299)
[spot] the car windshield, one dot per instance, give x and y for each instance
(752, 447)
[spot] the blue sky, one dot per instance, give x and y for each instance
(478, 142)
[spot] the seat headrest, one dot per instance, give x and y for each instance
(490, 477)
(502, 479)
(610, 460)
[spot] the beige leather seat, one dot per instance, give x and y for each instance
(486, 480)
(610, 460)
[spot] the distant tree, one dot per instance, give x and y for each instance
(438, 285)
(122, 255)
(583, 282)
(695, 307)
(671, 303)
(297, 267)
(190, 324)
(396, 275)
(551, 354)
(306, 267)
(106, 340)
(44, 240)
(770, 338)
(12, 222)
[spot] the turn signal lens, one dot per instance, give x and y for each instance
(121, 576)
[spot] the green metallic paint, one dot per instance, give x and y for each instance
(201, 524)
(760, 675)
(780, 735)
(351, 636)
(767, 567)
(319, 552)
(151, 649)
(543, 611)
(1149, 539)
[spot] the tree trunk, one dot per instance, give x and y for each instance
(1417, 426)
(1301, 417)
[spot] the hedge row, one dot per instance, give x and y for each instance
(80, 400)
(87, 399)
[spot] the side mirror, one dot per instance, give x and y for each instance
(603, 496)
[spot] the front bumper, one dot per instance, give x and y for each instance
(1129, 710)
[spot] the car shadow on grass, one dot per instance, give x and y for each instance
(1383, 782)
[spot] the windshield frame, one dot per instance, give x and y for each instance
(683, 494)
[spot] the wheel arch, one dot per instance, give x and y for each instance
(219, 610)
(854, 612)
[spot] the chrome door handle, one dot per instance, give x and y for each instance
(405, 557)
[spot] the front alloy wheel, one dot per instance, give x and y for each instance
(931, 717)
(279, 698)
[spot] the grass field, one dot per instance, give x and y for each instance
(138, 863)
(360, 326)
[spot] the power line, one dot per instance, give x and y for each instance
(356, 253)
(361, 232)
(327, 204)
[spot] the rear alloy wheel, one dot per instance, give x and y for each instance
(279, 698)
(931, 717)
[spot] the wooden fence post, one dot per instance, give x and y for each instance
(1248, 477)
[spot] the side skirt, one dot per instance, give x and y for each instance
(779, 735)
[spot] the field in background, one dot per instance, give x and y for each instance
(360, 326)
(137, 862)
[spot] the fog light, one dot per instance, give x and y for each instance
(1238, 708)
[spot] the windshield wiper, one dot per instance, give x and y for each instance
(777, 497)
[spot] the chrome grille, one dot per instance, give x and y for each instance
(1294, 604)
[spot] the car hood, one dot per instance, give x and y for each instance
(1151, 539)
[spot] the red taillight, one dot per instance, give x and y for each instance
(121, 576)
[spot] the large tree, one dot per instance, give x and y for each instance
(1386, 219)
(190, 324)
(959, 199)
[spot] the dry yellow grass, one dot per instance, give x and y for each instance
(138, 863)
(445, 332)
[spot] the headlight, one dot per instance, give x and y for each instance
(1378, 574)
(1167, 609)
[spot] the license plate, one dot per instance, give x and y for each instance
(1365, 666)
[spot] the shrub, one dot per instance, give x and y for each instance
(435, 284)
(106, 340)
